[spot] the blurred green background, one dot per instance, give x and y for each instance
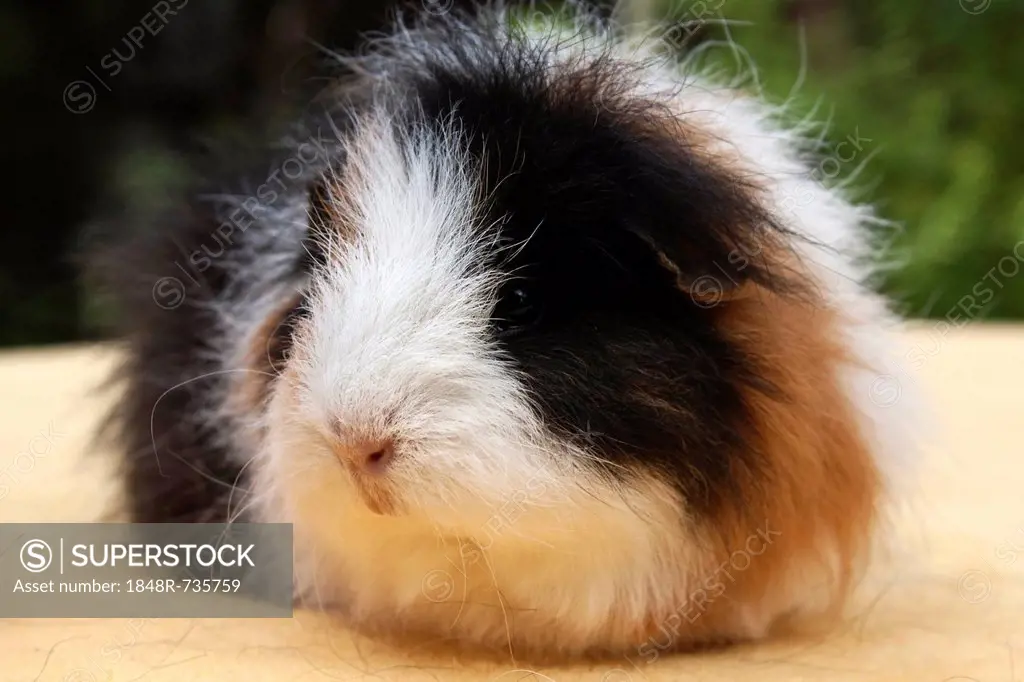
(932, 91)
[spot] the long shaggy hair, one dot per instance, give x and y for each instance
(543, 341)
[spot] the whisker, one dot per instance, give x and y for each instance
(152, 413)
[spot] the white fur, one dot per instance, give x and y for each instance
(503, 537)
(494, 507)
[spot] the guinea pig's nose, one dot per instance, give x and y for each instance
(367, 457)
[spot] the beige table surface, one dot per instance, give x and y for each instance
(951, 606)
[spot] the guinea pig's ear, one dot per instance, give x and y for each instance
(713, 270)
(709, 231)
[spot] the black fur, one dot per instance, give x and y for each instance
(619, 214)
(600, 186)
(176, 466)
(164, 276)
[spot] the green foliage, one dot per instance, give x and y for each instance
(939, 92)
(934, 89)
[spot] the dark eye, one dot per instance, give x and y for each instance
(518, 309)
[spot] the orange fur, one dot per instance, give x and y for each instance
(818, 485)
(251, 387)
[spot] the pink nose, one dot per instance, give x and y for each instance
(368, 457)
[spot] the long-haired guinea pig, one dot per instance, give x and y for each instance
(539, 339)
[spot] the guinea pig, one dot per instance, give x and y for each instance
(543, 340)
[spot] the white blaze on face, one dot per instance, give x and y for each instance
(502, 521)
(397, 345)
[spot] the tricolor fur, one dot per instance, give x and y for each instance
(616, 337)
